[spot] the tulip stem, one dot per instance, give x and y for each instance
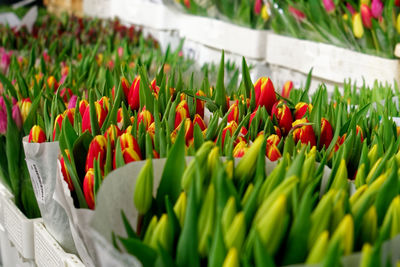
(139, 224)
(375, 40)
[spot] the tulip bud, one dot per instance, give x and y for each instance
(265, 12)
(112, 133)
(128, 141)
(37, 135)
(181, 113)
(265, 93)
(143, 195)
(257, 6)
(3, 116)
(273, 153)
(180, 208)
(398, 23)
(287, 87)
(199, 121)
(101, 116)
(320, 217)
(65, 93)
(345, 233)
(369, 226)
(155, 88)
(282, 113)
(247, 164)
(228, 214)
(134, 96)
(16, 115)
(366, 16)
(65, 173)
(358, 28)
(70, 114)
(329, 6)
(297, 14)
(230, 129)
(88, 187)
(232, 258)
(130, 155)
(97, 150)
(240, 149)
(52, 83)
(391, 222)
(326, 134)
(319, 249)
(162, 235)
(340, 180)
(125, 87)
(301, 110)
(236, 233)
(25, 108)
(150, 230)
(206, 220)
(305, 134)
(145, 117)
(360, 131)
(72, 102)
(233, 112)
(271, 226)
(376, 8)
(200, 104)
(82, 106)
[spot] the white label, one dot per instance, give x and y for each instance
(37, 183)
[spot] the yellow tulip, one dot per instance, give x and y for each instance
(358, 28)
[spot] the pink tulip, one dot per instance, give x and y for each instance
(376, 8)
(257, 6)
(72, 101)
(350, 8)
(329, 5)
(3, 116)
(300, 16)
(16, 115)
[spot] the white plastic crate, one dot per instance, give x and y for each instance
(97, 8)
(223, 35)
(19, 228)
(48, 252)
(330, 63)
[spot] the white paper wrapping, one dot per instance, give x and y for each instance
(41, 160)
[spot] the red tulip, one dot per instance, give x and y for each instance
(57, 124)
(65, 173)
(300, 16)
(301, 110)
(66, 94)
(181, 113)
(112, 133)
(130, 155)
(188, 132)
(326, 134)
(70, 114)
(287, 87)
(366, 16)
(97, 150)
(133, 96)
(88, 187)
(397, 2)
(125, 87)
(200, 104)
(152, 131)
(145, 117)
(273, 139)
(101, 116)
(104, 103)
(305, 133)
(52, 83)
(252, 115)
(277, 131)
(376, 8)
(265, 93)
(273, 152)
(233, 112)
(155, 88)
(127, 140)
(36, 135)
(231, 128)
(82, 106)
(283, 115)
(199, 121)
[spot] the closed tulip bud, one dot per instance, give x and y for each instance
(240, 149)
(180, 208)
(57, 124)
(233, 112)
(265, 93)
(319, 249)
(282, 113)
(134, 96)
(64, 171)
(25, 108)
(200, 104)
(101, 114)
(145, 117)
(130, 155)
(391, 222)
(104, 103)
(397, 2)
(305, 134)
(155, 88)
(3, 116)
(125, 87)
(369, 226)
(228, 214)
(271, 226)
(398, 23)
(247, 194)
(265, 12)
(297, 14)
(247, 164)
(72, 101)
(162, 234)
(273, 139)
(16, 115)
(66, 94)
(228, 166)
(236, 233)
(88, 186)
(287, 87)
(143, 194)
(257, 6)
(345, 233)
(232, 258)
(359, 131)
(152, 131)
(329, 5)
(301, 110)
(69, 113)
(128, 141)
(199, 121)
(326, 134)
(321, 217)
(206, 220)
(376, 8)
(150, 230)
(112, 133)
(358, 28)
(373, 155)
(366, 16)
(366, 255)
(340, 180)
(230, 129)
(36, 135)
(181, 113)
(97, 150)
(83, 104)
(273, 153)
(52, 83)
